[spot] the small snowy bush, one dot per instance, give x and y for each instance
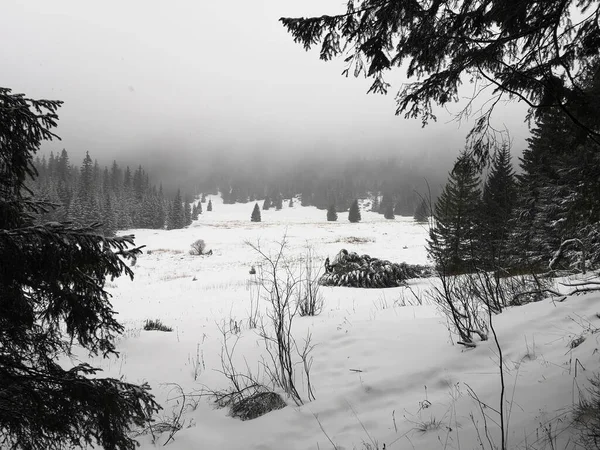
(198, 247)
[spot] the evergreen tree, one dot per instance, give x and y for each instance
(499, 198)
(422, 212)
(195, 212)
(84, 208)
(354, 213)
(177, 213)
(266, 204)
(291, 202)
(398, 208)
(375, 205)
(108, 214)
(453, 238)
(278, 202)
(187, 214)
(203, 198)
(138, 183)
(200, 208)
(332, 213)
(116, 178)
(160, 210)
(255, 217)
(209, 206)
(52, 297)
(387, 204)
(389, 211)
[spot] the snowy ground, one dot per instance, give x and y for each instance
(383, 373)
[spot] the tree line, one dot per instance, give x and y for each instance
(116, 197)
(547, 217)
(321, 182)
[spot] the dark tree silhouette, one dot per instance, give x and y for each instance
(332, 213)
(499, 199)
(266, 203)
(534, 51)
(255, 217)
(52, 297)
(354, 213)
(389, 211)
(452, 241)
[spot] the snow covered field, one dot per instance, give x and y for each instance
(384, 375)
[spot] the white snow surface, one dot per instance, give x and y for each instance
(382, 373)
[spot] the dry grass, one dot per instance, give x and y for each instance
(354, 240)
(168, 251)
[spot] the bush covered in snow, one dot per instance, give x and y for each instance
(351, 270)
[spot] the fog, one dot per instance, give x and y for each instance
(165, 84)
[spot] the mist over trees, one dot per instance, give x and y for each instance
(321, 182)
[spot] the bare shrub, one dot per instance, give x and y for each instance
(280, 283)
(246, 396)
(174, 422)
(467, 299)
(198, 247)
(465, 313)
(310, 300)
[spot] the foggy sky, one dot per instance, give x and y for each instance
(157, 79)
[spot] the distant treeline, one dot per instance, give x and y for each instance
(122, 198)
(324, 182)
(116, 197)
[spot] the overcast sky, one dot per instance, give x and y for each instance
(150, 77)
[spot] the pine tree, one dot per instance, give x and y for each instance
(499, 198)
(116, 178)
(332, 213)
(195, 212)
(187, 214)
(278, 202)
(452, 243)
(203, 198)
(200, 207)
(83, 208)
(387, 205)
(108, 214)
(177, 213)
(52, 297)
(255, 217)
(209, 206)
(291, 202)
(375, 205)
(389, 211)
(266, 204)
(354, 213)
